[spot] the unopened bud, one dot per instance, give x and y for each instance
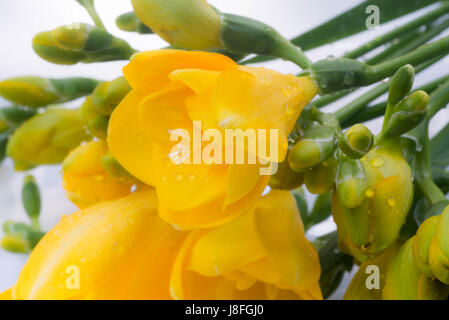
(406, 115)
(31, 200)
(80, 42)
(316, 146)
(39, 92)
(129, 22)
(351, 183)
(107, 95)
(285, 178)
(190, 24)
(356, 142)
(46, 138)
(401, 84)
(96, 123)
(321, 178)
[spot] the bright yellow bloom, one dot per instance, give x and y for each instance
(123, 250)
(114, 250)
(191, 24)
(86, 181)
(262, 255)
(173, 88)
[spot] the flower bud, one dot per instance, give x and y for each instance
(356, 142)
(38, 92)
(285, 178)
(46, 138)
(406, 115)
(401, 84)
(404, 281)
(115, 169)
(316, 145)
(3, 144)
(80, 42)
(96, 123)
(439, 249)
(351, 185)
(189, 24)
(421, 244)
(374, 225)
(320, 179)
(20, 237)
(129, 22)
(31, 200)
(107, 95)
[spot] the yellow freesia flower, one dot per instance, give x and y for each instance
(262, 255)
(114, 250)
(87, 182)
(174, 89)
(123, 250)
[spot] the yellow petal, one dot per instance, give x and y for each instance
(240, 180)
(118, 245)
(127, 142)
(213, 213)
(6, 295)
(282, 233)
(154, 67)
(257, 98)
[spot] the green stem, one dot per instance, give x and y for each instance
(423, 175)
(379, 109)
(394, 51)
(379, 41)
(361, 102)
(416, 57)
(349, 23)
(90, 8)
(294, 54)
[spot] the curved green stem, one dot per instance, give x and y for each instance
(360, 103)
(378, 110)
(90, 8)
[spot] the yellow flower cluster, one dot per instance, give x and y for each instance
(152, 229)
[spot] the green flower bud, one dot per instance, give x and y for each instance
(356, 142)
(20, 237)
(285, 178)
(439, 249)
(406, 115)
(46, 138)
(401, 84)
(190, 24)
(108, 95)
(404, 281)
(39, 92)
(320, 179)
(374, 225)
(317, 145)
(334, 74)
(79, 42)
(351, 185)
(96, 123)
(244, 36)
(129, 22)
(421, 244)
(31, 200)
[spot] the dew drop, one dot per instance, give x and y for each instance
(377, 162)
(391, 202)
(369, 193)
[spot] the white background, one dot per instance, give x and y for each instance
(20, 20)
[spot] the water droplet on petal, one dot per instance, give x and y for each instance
(377, 162)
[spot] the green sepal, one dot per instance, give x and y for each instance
(31, 200)
(131, 23)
